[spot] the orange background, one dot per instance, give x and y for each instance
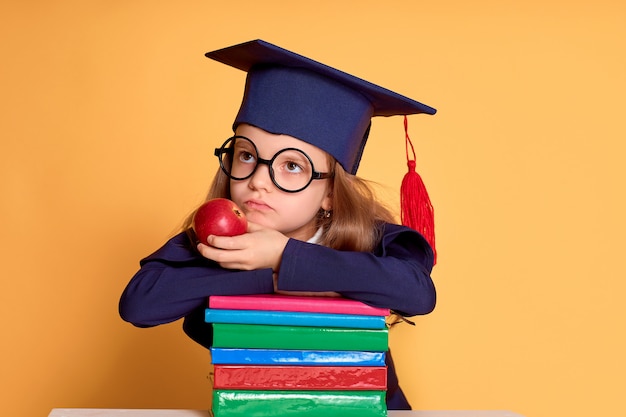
(108, 118)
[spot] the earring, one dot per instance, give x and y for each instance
(327, 214)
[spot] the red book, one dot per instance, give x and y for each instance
(276, 302)
(272, 377)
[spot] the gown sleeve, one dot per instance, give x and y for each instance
(176, 280)
(396, 275)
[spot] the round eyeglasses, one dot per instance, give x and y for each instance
(290, 169)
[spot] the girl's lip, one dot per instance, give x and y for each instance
(257, 205)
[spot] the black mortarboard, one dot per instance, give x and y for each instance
(287, 93)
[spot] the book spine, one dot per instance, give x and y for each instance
(236, 356)
(260, 336)
(295, 303)
(263, 403)
(288, 318)
(258, 377)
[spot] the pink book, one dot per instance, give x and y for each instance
(277, 302)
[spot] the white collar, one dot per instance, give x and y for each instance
(317, 237)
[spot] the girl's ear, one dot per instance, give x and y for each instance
(327, 202)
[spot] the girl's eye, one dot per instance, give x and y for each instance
(246, 157)
(293, 167)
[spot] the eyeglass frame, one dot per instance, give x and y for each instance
(315, 175)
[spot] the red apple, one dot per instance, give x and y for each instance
(219, 217)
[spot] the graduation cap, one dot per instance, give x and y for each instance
(287, 93)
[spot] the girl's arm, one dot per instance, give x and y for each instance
(175, 280)
(395, 276)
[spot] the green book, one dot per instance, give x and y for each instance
(260, 336)
(245, 403)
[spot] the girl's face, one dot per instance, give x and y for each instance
(293, 214)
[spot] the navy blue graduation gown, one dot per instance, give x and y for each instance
(175, 281)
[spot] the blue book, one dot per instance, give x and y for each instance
(294, 318)
(234, 356)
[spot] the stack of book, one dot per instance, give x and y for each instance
(276, 355)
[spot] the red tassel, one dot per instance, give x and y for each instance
(416, 210)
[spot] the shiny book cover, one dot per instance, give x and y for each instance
(271, 377)
(277, 302)
(259, 403)
(294, 318)
(236, 356)
(261, 336)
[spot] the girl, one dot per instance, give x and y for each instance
(314, 227)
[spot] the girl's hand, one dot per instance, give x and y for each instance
(259, 248)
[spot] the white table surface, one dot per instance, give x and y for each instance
(111, 412)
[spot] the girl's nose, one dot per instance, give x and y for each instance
(260, 179)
